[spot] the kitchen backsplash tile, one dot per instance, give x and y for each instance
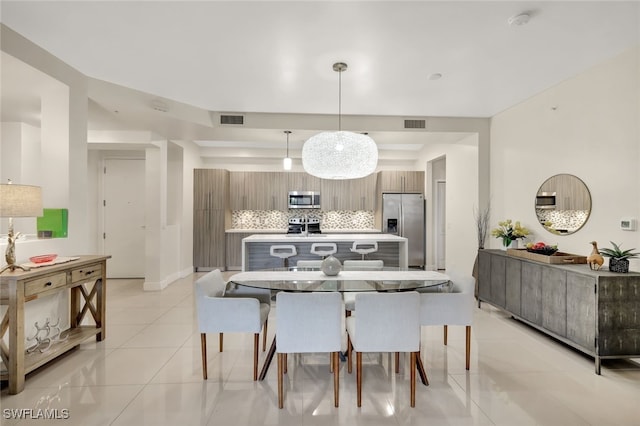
(275, 219)
(569, 220)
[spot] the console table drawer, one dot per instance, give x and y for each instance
(44, 284)
(86, 273)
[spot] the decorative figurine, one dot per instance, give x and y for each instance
(595, 259)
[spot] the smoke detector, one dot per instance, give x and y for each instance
(518, 20)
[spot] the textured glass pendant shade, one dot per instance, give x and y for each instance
(339, 155)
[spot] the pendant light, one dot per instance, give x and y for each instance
(341, 154)
(286, 163)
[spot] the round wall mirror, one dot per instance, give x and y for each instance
(563, 204)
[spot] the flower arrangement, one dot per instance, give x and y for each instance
(509, 231)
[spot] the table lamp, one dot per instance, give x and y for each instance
(18, 201)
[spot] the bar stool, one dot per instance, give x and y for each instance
(283, 251)
(323, 249)
(364, 247)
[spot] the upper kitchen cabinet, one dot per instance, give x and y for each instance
(258, 191)
(349, 194)
(401, 181)
(210, 189)
(237, 197)
(298, 181)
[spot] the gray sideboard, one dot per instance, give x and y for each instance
(597, 312)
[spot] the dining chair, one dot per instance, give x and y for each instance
(358, 265)
(262, 294)
(308, 323)
(309, 264)
(219, 314)
(385, 322)
(453, 308)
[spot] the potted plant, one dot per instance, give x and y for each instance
(509, 232)
(618, 258)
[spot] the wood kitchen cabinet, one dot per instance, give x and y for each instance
(258, 190)
(401, 181)
(349, 194)
(234, 250)
(596, 312)
(298, 181)
(210, 189)
(570, 192)
(210, 198)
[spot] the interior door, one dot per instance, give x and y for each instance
(124, 218)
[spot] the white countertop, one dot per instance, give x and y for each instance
(284, 231)
(283, 238)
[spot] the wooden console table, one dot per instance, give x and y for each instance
(18, 287)
(596, 312)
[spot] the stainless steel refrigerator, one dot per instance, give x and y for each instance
(403, 215)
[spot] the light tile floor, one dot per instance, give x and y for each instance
(148, 372)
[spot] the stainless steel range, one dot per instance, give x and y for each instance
(301, 225)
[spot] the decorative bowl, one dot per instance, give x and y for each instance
(43, 258)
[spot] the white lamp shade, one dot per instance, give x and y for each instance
(20, 200)
(286, 163)
(339, 155)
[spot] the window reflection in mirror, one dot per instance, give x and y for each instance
(563, 204)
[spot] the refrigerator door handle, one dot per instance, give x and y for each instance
(401, 227)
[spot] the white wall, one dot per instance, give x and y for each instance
(586, 126)
(462, 177)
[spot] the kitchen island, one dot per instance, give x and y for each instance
(393, 250)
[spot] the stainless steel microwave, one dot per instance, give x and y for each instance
(304, 200)
(546, 200)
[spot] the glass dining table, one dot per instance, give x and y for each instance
(312, 279)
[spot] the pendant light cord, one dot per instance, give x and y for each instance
(340, 100)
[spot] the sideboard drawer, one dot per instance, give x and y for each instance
(86, 273)
(45, 283)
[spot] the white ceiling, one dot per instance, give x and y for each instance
(203, 58)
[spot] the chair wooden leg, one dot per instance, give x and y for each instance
(280, 379)
(397, 361)
(446, 329)
(349, 350)
(468, 345)
(359, 377)
(220, 341)
(286, 362)
(413, 378)
(336, 379)
(203, 346)
(256, 347)
(264, 336)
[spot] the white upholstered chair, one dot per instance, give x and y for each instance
(385, 322)
(309, 263)
(219, 314)
(262, 294)
(453, 308)
(308, 323)
(358, 265)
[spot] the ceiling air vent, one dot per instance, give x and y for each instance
(414, 124)
(231, 119)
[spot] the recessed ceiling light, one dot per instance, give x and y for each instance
(518, 20)
(435, 76)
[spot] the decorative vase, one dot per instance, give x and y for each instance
(618, 265)
(507, 244)
(331, 266)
